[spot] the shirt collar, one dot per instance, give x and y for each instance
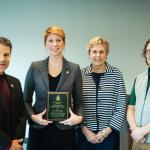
(109, 69)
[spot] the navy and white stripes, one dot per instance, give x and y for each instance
(105, 107)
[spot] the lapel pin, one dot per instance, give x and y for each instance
(12, 85)
(67, 72)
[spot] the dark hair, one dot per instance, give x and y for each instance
(144, 50)
(6, 42)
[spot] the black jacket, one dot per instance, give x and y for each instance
(12, 125)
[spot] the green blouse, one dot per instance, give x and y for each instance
(132, 99)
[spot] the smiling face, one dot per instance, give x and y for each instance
(55, 44)
(98, 56)
(4, 57)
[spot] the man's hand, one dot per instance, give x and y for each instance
(137, 134)
(16, 144)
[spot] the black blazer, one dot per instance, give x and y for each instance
(12, 125)
(37, 81)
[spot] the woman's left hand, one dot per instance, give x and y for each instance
(73, 120)
(99, 136)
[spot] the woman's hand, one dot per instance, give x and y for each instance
(90, 136)
(73, 120)
(39, 118)
(100, 136)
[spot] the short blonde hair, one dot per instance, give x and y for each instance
(97, 40)
(54, 30)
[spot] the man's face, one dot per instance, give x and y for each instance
(4, 57)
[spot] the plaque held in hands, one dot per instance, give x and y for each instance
(58, 106)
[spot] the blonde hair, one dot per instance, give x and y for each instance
(97, 40)
(54, 30)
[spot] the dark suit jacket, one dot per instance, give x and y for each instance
(12, 125)
(37, 81)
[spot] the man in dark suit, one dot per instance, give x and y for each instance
(12, 109)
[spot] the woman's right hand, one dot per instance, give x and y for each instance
(90, 136)
(38, 118)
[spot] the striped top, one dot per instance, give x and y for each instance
(106, 106)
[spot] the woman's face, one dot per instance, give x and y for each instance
(55, 44)
(147, 55)
(98, 55)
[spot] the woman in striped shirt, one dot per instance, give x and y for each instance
(104, 99)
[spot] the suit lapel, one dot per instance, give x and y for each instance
(3, 103)
(12, 93)
(44, 72)
(64, 74)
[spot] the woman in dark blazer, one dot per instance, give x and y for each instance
(54, 73)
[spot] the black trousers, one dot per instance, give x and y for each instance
(110, 143)
(51, 138)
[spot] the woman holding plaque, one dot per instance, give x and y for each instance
(54, 74)
(104, 100)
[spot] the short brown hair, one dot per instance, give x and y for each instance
(97, 40)
(6, 42)
(144, 50)
(54, 30)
